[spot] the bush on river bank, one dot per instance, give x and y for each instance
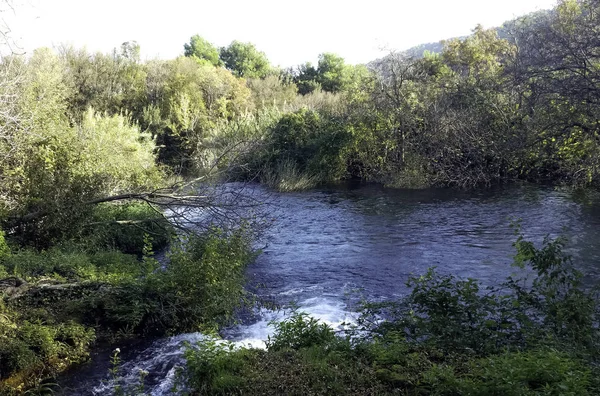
(57, 303)
(449, 336)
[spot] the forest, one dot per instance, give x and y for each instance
(106, 159)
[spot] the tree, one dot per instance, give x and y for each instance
(188, 100)
(244, 60)
(57, 166)
(305, 77)
(332, 72)
(130, 50)
(202, 50)
(557, 68)
(110, 83)
(331, 75)
(271, 91)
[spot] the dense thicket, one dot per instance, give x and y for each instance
(485, 110)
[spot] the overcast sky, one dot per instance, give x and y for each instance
(289, 32)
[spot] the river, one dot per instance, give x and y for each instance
(332, 246)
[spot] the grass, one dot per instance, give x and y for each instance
(287, 177)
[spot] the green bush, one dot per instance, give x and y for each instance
(215, 368)
(300, 331)
(205, 277)
(65, 265)
(69, 296)
(514, 374)
(199, 288)
(4, 249)
(315, 143)
(39, 349)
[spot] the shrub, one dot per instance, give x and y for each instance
(514, 374)
(205, 277)
(300, 331)
(315, 144)
(39, 349)
(458, 315)
(214, 368)
(73, 265)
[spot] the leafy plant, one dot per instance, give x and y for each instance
(299, 331)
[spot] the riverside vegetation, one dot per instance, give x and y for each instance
(105, 159)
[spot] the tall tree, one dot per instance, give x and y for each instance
(244, 60)
(558, 68)
(130, 50)
(332, 72)
(202, 50)
(331, 75)
(305, 77)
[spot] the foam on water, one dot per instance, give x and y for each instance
(162, 359)
(329, 311)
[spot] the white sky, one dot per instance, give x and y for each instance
(289, 32)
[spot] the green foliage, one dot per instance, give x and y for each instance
(454, 315)
(306, 79)
(231, 146)
(113, 83)
(330, 75)
(213, 368)
(218, 368)
(58, 168)
(78, 127)
(205, 277)
(244, 60)
(557, 295)
(199, 288)
(300, 331)
(202, 50)
(194, 98)
(286, 177)
(529, 373)
(313, 143)
(272, 91)
(73, 266)
(65, 296)
(332, 72)
(4, 249)
(31, 351)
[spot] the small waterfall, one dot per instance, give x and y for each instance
(162, 359)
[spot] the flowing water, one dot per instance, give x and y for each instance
(332, 246)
